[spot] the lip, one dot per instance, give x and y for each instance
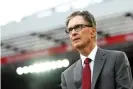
(75, 39)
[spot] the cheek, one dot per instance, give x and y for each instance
(86, 39)
(86, 35)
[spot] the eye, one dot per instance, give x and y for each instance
(77, 26)
(70, 29)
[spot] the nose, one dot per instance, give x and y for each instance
(73, 33)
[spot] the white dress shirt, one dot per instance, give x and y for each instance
(92, 57)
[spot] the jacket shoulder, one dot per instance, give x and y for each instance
(69, 69)
(113, 52)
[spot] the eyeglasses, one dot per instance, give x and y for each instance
(77, 28)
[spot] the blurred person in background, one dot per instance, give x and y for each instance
(97, 68)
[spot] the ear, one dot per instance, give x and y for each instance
(93, 34)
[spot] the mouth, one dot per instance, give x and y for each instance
(76, 39)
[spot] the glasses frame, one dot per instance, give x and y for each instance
(77, 28)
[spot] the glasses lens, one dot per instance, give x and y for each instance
(78, 27)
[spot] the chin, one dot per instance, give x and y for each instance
(77, 45)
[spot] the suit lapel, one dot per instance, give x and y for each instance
(78, 74)
(98, 65)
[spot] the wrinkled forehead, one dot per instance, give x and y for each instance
(76, 20)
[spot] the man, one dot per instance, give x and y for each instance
(97, 68)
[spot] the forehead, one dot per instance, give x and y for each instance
(76, 20)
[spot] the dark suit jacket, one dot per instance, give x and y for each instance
(111, 71)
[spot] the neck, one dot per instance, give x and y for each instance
(87, 49)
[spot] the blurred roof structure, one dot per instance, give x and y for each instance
(55, 17)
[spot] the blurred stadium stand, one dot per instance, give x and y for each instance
(43, 40)
(114, 31)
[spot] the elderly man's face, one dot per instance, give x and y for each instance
(83, 37)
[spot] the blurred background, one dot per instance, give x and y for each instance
(35, 50)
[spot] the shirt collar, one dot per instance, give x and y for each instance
(91, 55)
